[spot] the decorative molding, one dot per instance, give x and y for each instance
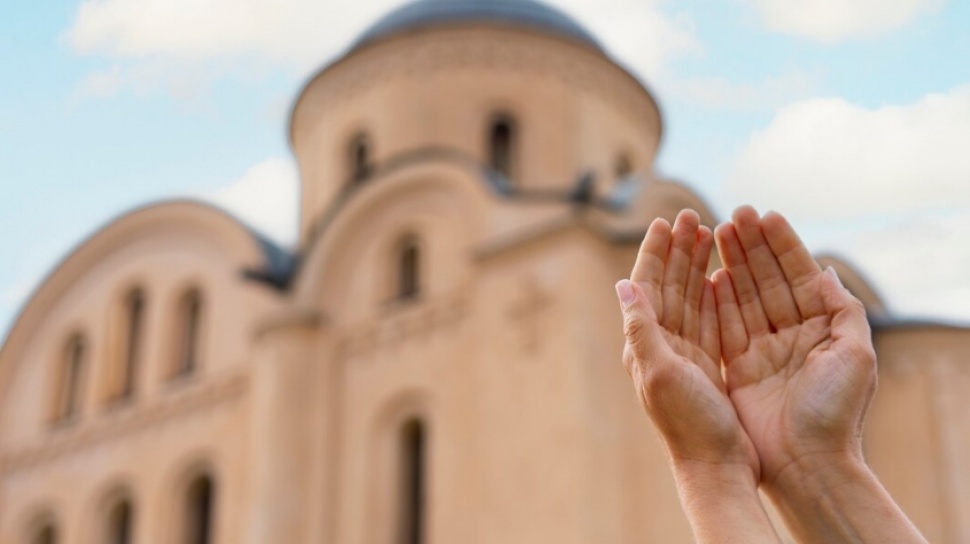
(130, 419)
(396, 327)
(575, 66)
(499, 246)
(307, 318)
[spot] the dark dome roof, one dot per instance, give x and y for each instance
(520, 13)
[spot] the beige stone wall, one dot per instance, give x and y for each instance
(917, 439)
(509, 354)
(146, 447)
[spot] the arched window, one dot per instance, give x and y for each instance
(359, 157)
(199, 511)
(623, 166)
(501, 145)
(46, 534)
(409, 268)
(413, 453)
(128, 354)
(119, 523)
(188, 329)
(70, 371)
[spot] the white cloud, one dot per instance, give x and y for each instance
(831, 21)
(640, 34)
(105, 84)
(266, 198)
(919, 262)
(302, 34)
(827, 158)
(724, 94)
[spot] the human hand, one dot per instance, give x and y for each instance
(800, 366)
(673, 351)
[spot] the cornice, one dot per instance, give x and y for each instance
(128, 420)
(401, 322)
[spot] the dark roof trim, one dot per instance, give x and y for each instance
(528, 14)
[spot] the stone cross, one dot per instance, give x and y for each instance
(526, 314)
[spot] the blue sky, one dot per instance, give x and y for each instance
(850, 116)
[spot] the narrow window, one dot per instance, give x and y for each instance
(130, 350)
(409, 268)
(119, 523)
(47, 534)
(501, 146)
(359, 157)
(199, 511)
(413, 484)
(623, 167)
(67, 401)
(189, 324)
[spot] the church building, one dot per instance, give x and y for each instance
(438, 360)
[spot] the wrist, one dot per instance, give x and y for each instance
(812, 475)
(727, 477)
(722, 503)
(836, 498)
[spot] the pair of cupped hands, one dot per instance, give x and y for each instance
(766, 368)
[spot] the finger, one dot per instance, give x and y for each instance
(734, 336)
(773, 288)
(648, 271)
(683, 236)
(690, 328)
(640, 326)
(744, 288)
(800, 269)
(710, 338)
(851, 335)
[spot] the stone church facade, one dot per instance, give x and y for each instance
(438, 359)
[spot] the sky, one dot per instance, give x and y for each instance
(851, 117)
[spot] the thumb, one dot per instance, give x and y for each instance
(850, 327)
(639, 320)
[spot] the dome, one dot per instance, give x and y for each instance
(517, 13)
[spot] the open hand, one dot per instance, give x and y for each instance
(673, 350)
(799, 363)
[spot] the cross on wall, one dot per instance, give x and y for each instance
(527, 312)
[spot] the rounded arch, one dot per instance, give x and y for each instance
(193, 218)
(503, 143)
(191, 499)
(186, 329)
(448, 192)
(68, 382)
(359, 155)
(404, 277)
(113, 513)
(401, 464)
(41, 525)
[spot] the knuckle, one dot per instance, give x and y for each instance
(633, 328)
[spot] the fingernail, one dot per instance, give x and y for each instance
(831, 271)
(625, 292)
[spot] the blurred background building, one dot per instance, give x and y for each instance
(438, 362)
